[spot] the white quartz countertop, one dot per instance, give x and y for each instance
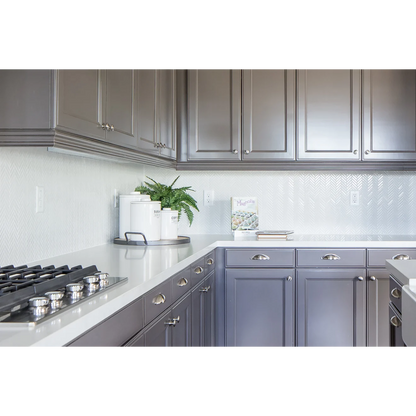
(146, 267)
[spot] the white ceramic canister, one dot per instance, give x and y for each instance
(124, 204)
(169, 224)
(145, 218)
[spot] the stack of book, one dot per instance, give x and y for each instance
(273, 235)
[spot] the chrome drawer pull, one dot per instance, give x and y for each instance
(210, 262)
(395, 321)
(173, 321)
(205, 289)
(260, 257)
(396, 293)
(331, 257)
(182, 282)
(401, 257)
(360, 278)
(198, 270)
(159, 299)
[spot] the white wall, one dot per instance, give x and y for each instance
(79, 211)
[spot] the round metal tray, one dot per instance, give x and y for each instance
(126, 242)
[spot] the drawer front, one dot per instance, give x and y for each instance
(378, 257)
(260, 257)
(157, 301)
(181, 283)
(209, 263)
(330, 257)
(396, 293)
(198, 271)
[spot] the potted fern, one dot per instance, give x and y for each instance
(177, 199)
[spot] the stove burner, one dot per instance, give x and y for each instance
(29, 295)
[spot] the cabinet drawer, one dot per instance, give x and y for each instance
(198, 271)
(181, 283)
(378, 257)
(330, 257)
(260, 257)
(157, 300)
(209, 263)
(396, 293)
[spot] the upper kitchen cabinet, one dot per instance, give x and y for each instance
(268, 115)
(241, 115)
(84, 111)
(214, 115)
(97, 104)
(389, 115)
(156, 124)
(329, 115)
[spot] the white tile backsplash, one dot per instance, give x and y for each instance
(79, 211)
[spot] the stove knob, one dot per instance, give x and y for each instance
(39, 301)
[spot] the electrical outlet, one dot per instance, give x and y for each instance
(40, 199)
(354, 198)
(115, 198)
(208, 198)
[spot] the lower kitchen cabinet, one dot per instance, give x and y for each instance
(378, 296)
(172, 329)
(259, 307)
(203, 308)
(331, 307)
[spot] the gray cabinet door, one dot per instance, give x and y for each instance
(389, 114)
(378, 296)
(214, 115)
(268, 114)
(120, 107)
(329, 114)
(166, 113)
(331, 307)
(259, 307)
(79, 102)
(203, 309)
(181, 330)
(158, 335)
(25, 99)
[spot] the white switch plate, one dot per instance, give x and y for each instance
(40, 199)
(208, 198)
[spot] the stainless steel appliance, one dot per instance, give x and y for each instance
(395, 313)
(31, 295)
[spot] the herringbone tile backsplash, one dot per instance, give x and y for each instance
(79, 192)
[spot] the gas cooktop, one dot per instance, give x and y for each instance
(31, 295)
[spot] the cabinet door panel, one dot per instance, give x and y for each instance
(209, 311)
(268, 114)
(120, 111)
(331, 307)
(259, 307)
(80, 102)
(329, 114)
(378, 296)
(389, 111)
(181, 332)
(214, 108)
(159, 334)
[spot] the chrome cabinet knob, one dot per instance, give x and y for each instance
(395, 321)
(401, 257)
(205, 289)
(367, 152)
(103, 126)
(289, 278)
(173, 321)
(112, 128)
(373, 278)
(235, 151)
(360, 278)
(159, 299)
(330, 257)
(355, 151)
(182, 282)
(260, 257)
(246, 152)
